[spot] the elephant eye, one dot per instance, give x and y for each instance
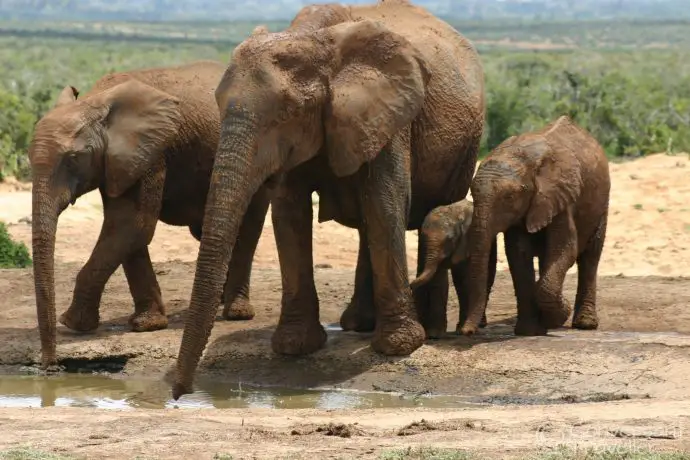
(71, 160)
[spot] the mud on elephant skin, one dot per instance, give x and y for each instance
(445, 241)
(548, 191)
(382, 120)
(147, 140)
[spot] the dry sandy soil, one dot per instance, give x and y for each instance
(625, 383)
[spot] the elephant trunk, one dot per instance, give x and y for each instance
(234, 181)
(45, 213)
(483, 240)
(432, 259)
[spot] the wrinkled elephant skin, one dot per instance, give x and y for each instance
(147, 140)
(548, 191)
(380, 109)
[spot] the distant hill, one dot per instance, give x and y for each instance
(192, 10)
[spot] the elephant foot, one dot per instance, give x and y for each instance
(435, 332)
(148, 321)
(77, 319)
(482, 324)
(468, 329)
(358, 317)
(529, 328)
(554, 316)
(300, 338)
(399, 338)
(586, 319)
(239, 310)
(434, 321)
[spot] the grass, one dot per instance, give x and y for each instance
(426, 453)
(560, 453)
(29, 453)
(608, 453)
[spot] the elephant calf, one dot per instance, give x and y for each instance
(548, 191)
(147, 140)
(445, 244)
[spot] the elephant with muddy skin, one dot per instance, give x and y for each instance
(379, 108)
(444, 236)
(147, 140)
(548, 192)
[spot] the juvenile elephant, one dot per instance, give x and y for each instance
(548, 191)
(379, 108)
(147, 140)
(445, 244)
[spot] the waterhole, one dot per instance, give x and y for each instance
(119, 392)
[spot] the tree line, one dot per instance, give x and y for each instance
(635, 102)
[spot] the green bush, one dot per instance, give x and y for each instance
(12, 254)
(634, 103)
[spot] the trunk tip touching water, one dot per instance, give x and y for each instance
(234, 181)
(179, 390)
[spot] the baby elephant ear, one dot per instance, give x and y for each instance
(259, 30)
(67, 95)
(460, 252)
(462, 246)
(558, 185)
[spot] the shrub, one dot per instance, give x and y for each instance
(12, 254)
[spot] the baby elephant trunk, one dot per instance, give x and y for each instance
(425, 277)
(432, 260)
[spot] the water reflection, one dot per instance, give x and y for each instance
(115, 392)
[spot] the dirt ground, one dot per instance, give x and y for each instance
(625, 383)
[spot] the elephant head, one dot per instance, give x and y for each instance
(107, 140)
(444, 236)
(525, 181)
(341, 92)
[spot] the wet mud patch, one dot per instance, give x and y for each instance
(110, 364)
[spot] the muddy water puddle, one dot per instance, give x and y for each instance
(117, 392)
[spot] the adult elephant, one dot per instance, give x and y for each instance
(147, 140)
(380, 108)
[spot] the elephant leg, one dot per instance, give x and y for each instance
(236, 290)
(149, 310)
(299, 330)
(520, 255)
(460, 272)
(359, 315)
(385, 202)
(560, 254)
(126, 230)
(431, 299)
(491, 278)
(585, 316)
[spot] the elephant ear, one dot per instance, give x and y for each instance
(67, 95)
(378, 88)
(462, 245)
(558, 184)
(259, 30)
(141, 122)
